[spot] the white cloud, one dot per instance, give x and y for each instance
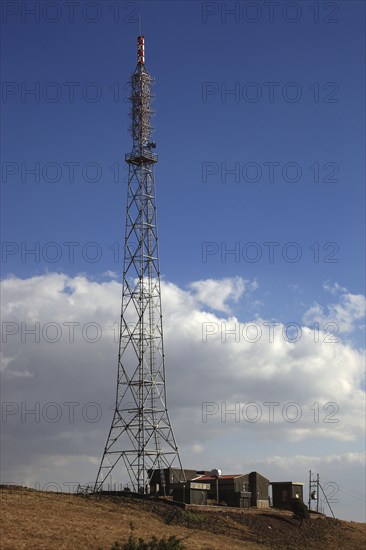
(289, 462)
(5, 363)
(197, 448)
(216, 293)
(334, 288)
(112, 274)
(346, 314)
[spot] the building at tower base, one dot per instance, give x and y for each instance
(237, 490)
(283, 493)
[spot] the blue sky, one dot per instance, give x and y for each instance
(312, 128)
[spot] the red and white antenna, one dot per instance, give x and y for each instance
(141, 50)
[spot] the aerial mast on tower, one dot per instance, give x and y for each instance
(141, 436)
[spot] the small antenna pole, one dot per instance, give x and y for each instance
(309, 504)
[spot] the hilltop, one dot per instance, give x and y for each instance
(45, 520)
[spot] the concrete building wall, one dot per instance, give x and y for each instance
(258, 486)
(171, 476)
(190, 496)
(262, 504)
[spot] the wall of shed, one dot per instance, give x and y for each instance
(283, 493)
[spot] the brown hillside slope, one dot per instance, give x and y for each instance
(43, 520)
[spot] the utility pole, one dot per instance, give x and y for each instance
(314, 493)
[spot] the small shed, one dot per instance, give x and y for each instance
(283, 492)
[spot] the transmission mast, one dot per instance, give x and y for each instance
(141, 436)
(314, 493)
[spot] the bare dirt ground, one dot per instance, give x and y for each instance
(44, 520)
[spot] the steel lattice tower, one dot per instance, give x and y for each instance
(141, 433)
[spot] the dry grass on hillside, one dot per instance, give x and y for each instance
(41, 520)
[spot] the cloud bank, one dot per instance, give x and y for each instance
(241, 395)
